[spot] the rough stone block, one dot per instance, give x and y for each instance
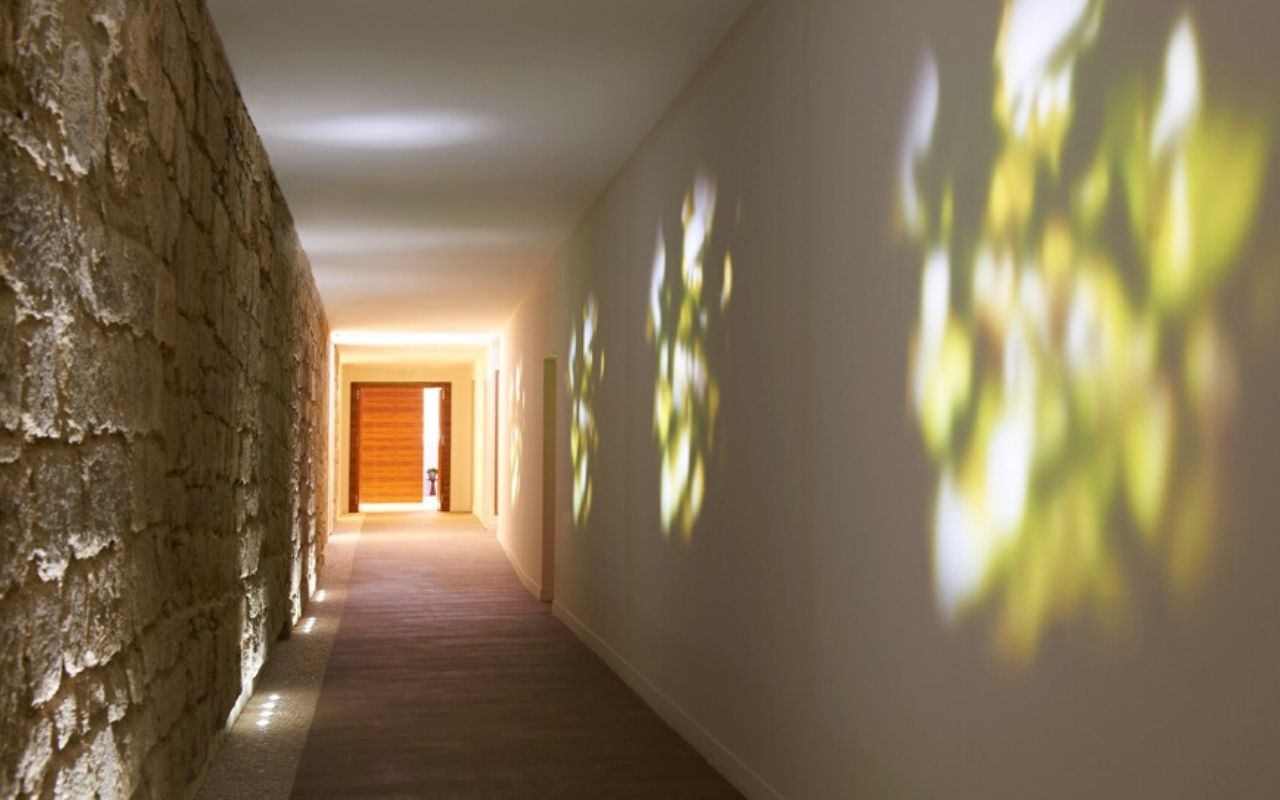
(182, 166)
(10, 377)
(203, 193)
(176, 52)
(64, 719)
(94, 770)
(41, 620)
(195, 258)
(6, 41)
(124, 283)
(54, 506)
(93, 624)
(35, 754)
(106, 477)
(164, 118)
(38, 235)
(146, 484)
(162, 210)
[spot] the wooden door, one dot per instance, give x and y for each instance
(388, 429)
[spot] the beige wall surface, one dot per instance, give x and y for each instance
(526, 341)
(819, 626)
(1128, 665)
(484, 459)
(462, 452)
(712, 619)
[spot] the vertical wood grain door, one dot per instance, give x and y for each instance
(389, 453)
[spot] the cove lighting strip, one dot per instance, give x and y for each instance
(380, 339)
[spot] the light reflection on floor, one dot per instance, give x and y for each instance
(432, 504)
(259, 755)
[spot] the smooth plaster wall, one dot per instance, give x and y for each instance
(462, 450)
(484, 435)
(162, 400)
(526, 341)
(714, 629)
(1175, 698)
(797, 637)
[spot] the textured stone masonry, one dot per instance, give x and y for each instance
(162, 399)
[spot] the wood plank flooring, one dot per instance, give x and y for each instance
(448, 680)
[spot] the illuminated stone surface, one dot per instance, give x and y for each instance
(1071, 369)
(162, 355)
(260, 754)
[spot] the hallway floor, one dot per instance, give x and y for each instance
(446, 679)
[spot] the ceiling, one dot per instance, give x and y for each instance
(436, 153)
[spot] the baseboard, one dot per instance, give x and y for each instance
(734, 769)
(530, 584)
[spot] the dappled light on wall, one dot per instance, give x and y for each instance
(586, 372)
(687, 303)
(515, 415)
(1072, 367)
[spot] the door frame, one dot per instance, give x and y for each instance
(444, 448)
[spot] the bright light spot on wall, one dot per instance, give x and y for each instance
(919, 139)
(1036, 56)
(1180, 100)
(401, 131)
(515, 415)
(585, 374)
(1055, 358)
(684, 328)
(409, 339)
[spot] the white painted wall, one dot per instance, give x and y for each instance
(484, 459)
(712, 631)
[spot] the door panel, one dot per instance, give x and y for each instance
(390, 442)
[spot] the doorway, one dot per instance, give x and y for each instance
(400, 447)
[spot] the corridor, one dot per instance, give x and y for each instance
(607, 399)
(447, 679)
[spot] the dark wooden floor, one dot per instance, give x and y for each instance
(448, 680)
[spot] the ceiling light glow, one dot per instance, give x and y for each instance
(389, 131)
(332, 240)
(408, 339)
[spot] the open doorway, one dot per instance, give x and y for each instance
(400, 449)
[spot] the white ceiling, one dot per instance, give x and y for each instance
(436, 153)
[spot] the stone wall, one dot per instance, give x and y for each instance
(163, 367)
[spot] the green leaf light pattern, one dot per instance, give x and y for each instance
(515, 413)
(1070, 371)
(683, 323)
(586, 373)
